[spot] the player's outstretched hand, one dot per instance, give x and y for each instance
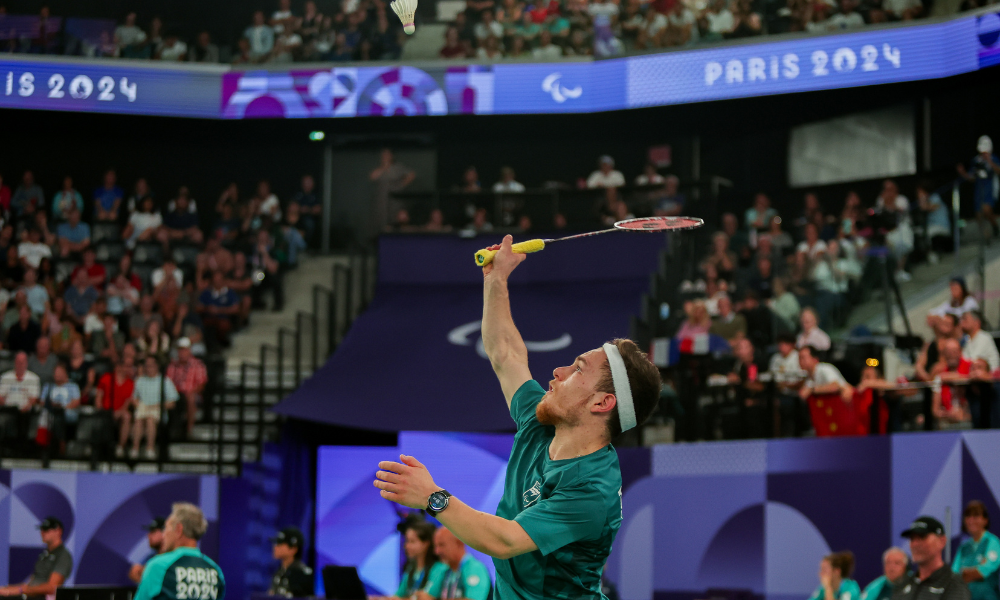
(407, 482)
(505, 260)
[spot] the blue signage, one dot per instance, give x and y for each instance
(864, 57)
(111, 86)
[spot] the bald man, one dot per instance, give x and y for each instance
(465, 578)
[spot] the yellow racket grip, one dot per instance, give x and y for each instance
(485, 257)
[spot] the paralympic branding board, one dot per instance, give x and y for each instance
(110, 86)
(865, 57)
(814, 63)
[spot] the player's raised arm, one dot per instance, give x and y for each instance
(501, 340)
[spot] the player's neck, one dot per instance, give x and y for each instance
(573, 442)
(287, 562)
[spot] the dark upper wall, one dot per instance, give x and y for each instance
(742, 140)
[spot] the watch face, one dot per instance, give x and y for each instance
(437, 501)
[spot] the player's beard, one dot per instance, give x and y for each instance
(545, 414)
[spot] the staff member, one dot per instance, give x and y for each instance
(293, 579)
(934, 580)
(53, 567)
(835, 581)
(422, 566)
(182, 571)
(978, 558)
(465, 576)
(894, 562)
(154, 534)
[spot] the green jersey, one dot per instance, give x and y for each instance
(421, 580)
(880, 589)
(849, 590)
(983, 556)
(471, 581)
(570, 508)
(183, 574)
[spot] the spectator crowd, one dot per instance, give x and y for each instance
(361, 30)
(770, 295)
(110, 300)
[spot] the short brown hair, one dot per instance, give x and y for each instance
(643, 379)
(975, 507)
(843, 562)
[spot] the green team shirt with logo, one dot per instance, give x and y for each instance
(183, 574)
(570, 508)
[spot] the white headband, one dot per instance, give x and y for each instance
(623, 393)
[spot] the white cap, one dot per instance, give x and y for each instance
(606, 159)
(985, 144)
(184, 343)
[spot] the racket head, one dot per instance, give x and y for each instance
(649, 224)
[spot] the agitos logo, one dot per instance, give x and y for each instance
(460, 336)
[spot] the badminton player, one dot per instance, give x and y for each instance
(561, 505)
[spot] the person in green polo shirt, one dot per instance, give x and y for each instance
(182, 572)
(463, 576)
(978, 558)
(835, 581)
(561, 505)
(894, 564)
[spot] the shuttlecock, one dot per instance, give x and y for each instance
(405, 10)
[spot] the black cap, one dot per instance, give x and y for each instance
(157, 524)
(924, 526)
(291, 536)
(50, 523)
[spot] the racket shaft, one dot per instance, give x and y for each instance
(485, 257)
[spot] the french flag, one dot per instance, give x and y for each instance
(664, 352)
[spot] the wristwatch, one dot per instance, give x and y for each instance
(437, 502)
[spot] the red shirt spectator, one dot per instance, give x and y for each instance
(188, 376)
(97, 276)
(964, 367)
(4, 196)
(114, 399)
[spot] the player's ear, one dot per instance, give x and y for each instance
(605, 403)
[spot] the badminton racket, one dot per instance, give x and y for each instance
(646, 224)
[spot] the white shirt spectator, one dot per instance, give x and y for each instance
(141, 222)
(720, 22)
(279, 16)
(823, 374)
(261, 40)
(606, 9)
(92, 323)
(157, 277)
(643, 179)
(816, 250)
(484, 31)
(127, 35)
(19, 393)
(33, 253)
(898, 7)
(174, 53)
(844, 21)
(598, 179)
(982, 345)
(945, 308)
(272, 207)
(511, 187)
(550, 52)
(658, 24)
(902, 208)
(685, 19)
(785, 368)
(817, 338)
